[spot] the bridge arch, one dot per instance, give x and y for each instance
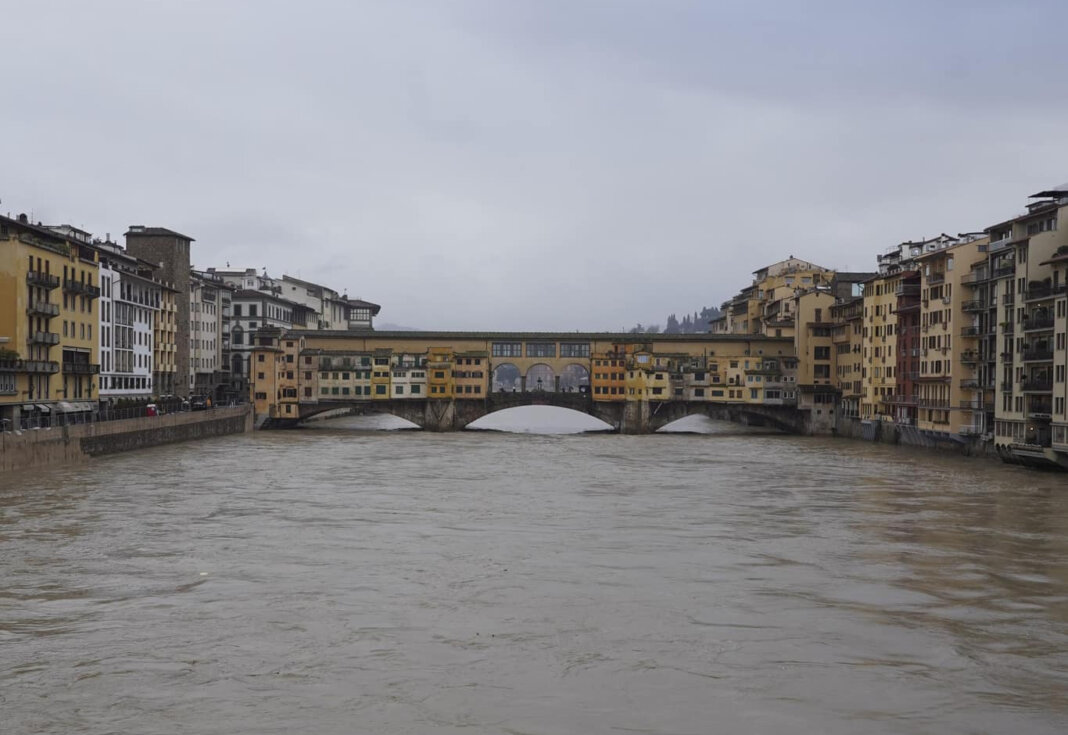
(575, 378)
(540, 377)
(506, 377)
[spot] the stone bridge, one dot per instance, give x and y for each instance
(627, 417)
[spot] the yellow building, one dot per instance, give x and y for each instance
(49, 339)
(439, 373)
(381, 374)
(767, 306)
(879, 359)
(608, 375)
(949, 399)
(471, 374)
(817, 388)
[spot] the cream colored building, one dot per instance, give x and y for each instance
(949, 402)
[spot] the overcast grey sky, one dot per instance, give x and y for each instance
(532, 164)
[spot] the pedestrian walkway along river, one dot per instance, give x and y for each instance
(350, 582)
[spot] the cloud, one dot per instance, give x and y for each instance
(532, 165)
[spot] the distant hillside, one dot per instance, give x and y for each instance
(387, 327)
(689, 324)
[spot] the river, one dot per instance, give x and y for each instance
(336, 582)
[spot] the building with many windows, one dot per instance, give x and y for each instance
(130, 300)
(49, 355)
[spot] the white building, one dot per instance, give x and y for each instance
(129, 299)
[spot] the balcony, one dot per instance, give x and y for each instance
(907, 289)
(1008, 328)
(1037, 323)
(80, 368)
(43, 308)
(969, 357)
(1040, 409)
(1038, 385)
(976, 276)
(969, 383)
(1005, 271)
(971, 430)
(974, 305)
(977, 405)
(1039, 293)
(970, 331)
(29, 366)
(935, 278)
(44, 280)
(1038, 354)
(78, 287)
(1008, 299)
(43, 338)
(933, 403)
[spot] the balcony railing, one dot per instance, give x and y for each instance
(933, 403)
(976, 276)
(1041, 385)
(42, 279)
(907, 289)
(79, 368)
(1008, 299)
(970, 331)
(1040, 409)
(85, 289)
(1037, 293)
(975, 305)
(969, 356)
(43, 338)
(29, 366)
(43, 308)
(1005, 271)
(936, 278)
(1038, 355)
(977, 405)
(969, 383)
(1038, 322)
(971, 430)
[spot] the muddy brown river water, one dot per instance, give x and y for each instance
(348, 582)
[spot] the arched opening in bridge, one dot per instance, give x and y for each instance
(541, 378)
(506, 377)
(343, 420)
(575, 379)
(539, 420)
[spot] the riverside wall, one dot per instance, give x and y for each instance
(79, 442)
(888, 432)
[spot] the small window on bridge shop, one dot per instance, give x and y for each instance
(307, 392)
(416, 389)
(381, 361)
(344, 391)
(335, 391)
(574, 349)
(717, 394)
(439, 374)
(261, 396)
(507, 349)
(398, 390)
(380, 390)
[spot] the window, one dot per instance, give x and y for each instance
(507, 349)
(574, 349)
(380, 390)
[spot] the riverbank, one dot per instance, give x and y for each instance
(77, 443)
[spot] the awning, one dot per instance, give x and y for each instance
(29, 407)
(86, 406)
(43, 409)
(64, 407)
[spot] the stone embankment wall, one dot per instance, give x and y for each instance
(65, 444)
(887, 432)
